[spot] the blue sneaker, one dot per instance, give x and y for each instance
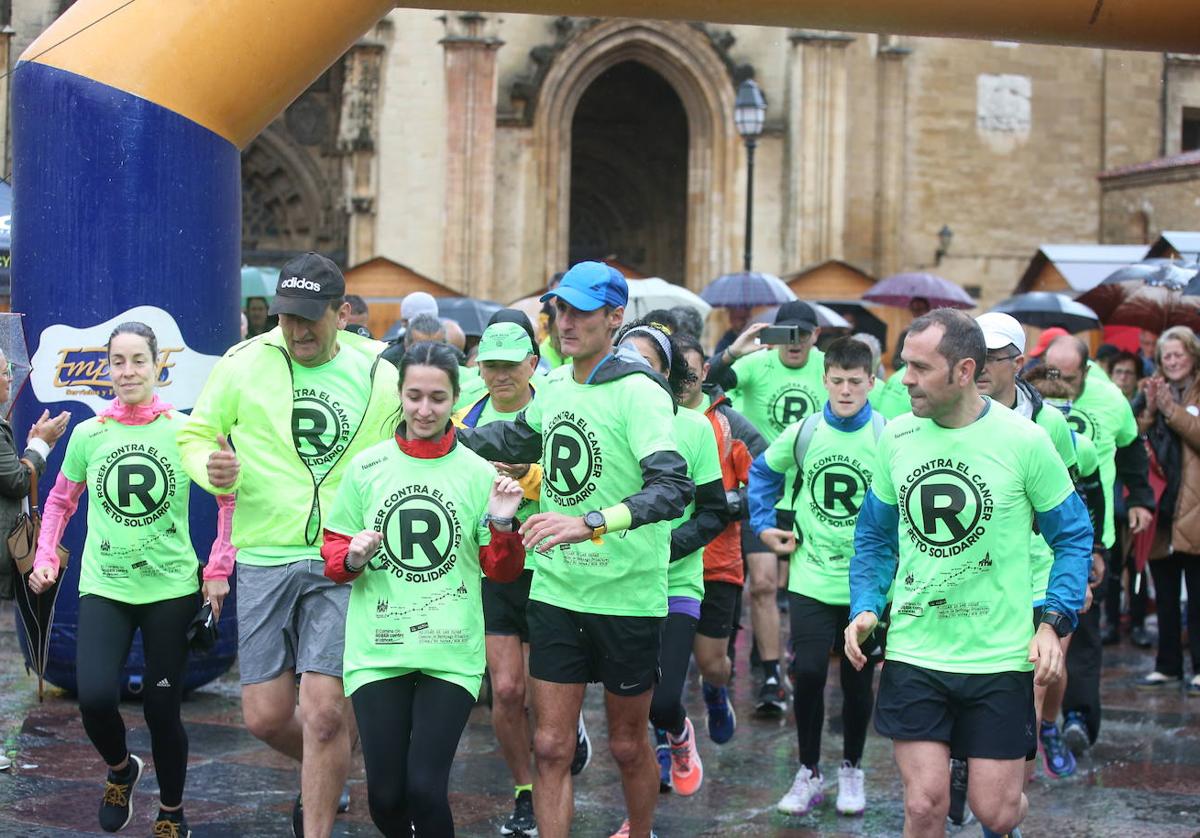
(722, 721)
(1059, 760)
(662, 751)
(1075, 733)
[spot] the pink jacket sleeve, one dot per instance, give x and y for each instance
(56, 513)
(222, 554)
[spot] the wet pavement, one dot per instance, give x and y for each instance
(1141, 779)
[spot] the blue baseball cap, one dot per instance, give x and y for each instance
(590, 285)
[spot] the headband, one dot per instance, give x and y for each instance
(656, 333)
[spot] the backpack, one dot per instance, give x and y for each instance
(804, 439)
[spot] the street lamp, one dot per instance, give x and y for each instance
(749, 109)
(945, 236)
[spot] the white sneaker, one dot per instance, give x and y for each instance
(805, 793)
(852, 798)
(5, 763)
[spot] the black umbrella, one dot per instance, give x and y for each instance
(861, 318)
(1151, 295)
(470, 314)
(1046, 309)
(36, 611)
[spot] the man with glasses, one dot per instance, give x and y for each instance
(1099, 411)
(773, 389)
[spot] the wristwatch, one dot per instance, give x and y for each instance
(511, 523)
(595, 520)
(1058, 622)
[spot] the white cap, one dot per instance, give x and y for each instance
(1000, 330)
(418, 302)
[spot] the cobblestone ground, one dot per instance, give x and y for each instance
(1141, 779)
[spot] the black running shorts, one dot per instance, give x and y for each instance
(984, 716)
(504, 606)
(573, 647)
(717, 609)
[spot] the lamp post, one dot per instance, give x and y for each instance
(945, 236)
(749, 109)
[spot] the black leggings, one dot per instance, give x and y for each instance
(1168, 575)
(816, 628)
(409, 728)
(106, 630)
(675, 650)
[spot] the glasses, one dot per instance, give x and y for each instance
(8, 370)
(996, 359)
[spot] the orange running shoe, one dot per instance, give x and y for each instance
(687, 772)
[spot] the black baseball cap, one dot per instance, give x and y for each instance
(797, 313)
(307, 285)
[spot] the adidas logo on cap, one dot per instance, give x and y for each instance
(301, 284)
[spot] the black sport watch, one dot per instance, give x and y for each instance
(1058, 622)
(595, 520)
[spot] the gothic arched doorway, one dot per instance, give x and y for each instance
(629, 159)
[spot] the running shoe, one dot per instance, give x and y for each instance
(344, 800)
(662, 752)
(171, 825)
(116, 809)
(521, 822)
(805, 793)
(987, 833)
(5, 763)
(772, 699)
(298, 818)
(959, 813)
(1140, 637)
(623, 832)
(722, 721)
(1111, 636)
(687, 772)
(1075, 733)
(583, 748)
(1059, 760)
(852, 797)
(1194, 687)
(1157, 680)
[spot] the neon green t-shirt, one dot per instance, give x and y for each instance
(138, 547)
(773, 396)
(833, 481)
(1103, 415)
(417, 606)
(698, 446)
(594, 437)
(892, 399)
(1051, 420)
(470, 387)
(327, 408)
(527, 507)
(966, 498)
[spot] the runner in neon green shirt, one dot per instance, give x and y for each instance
(613, 481)
(299, 403)
(680, 766)
(957, 486)
(138, 572)
(415, 521)
(830, 456)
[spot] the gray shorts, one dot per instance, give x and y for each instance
(290, 617)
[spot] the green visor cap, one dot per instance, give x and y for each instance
(504, 342)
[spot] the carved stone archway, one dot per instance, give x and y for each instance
(686, 58)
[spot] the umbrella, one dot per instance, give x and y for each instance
(1046, 309)
(12, 342)
(900, 290)
(1152, 295)
(827, 318)
(5, 237)
(861, 318)
(645, 295)
(36, 613)
(747, 290)
(471, 314)
(259, 281)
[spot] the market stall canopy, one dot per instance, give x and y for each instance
(1075, 268)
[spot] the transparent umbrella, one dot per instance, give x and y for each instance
(12, 342)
